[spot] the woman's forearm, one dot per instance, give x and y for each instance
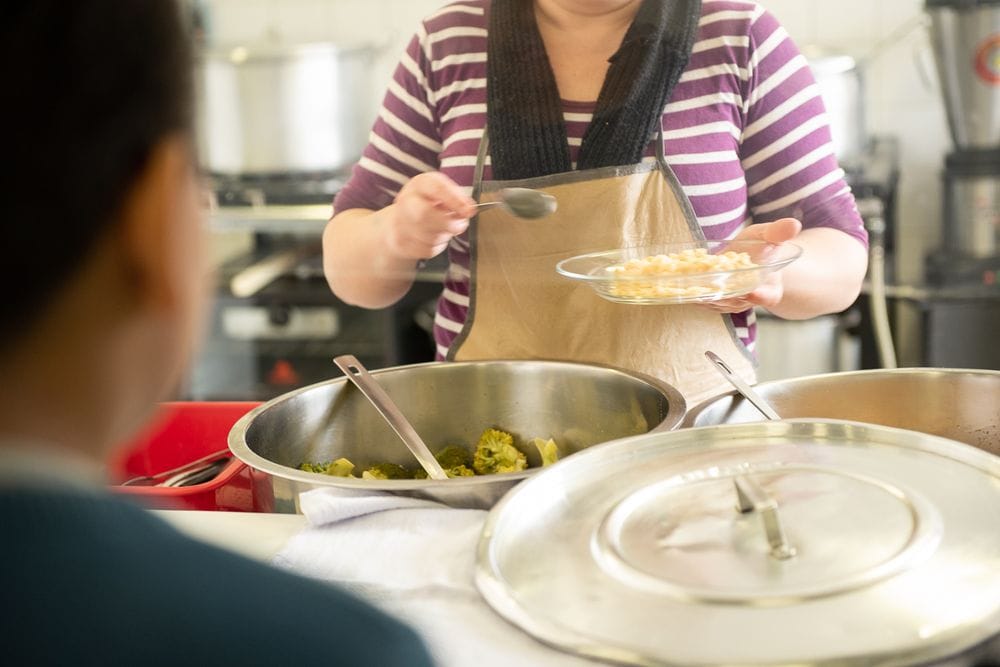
(826, 278)
(358, 264)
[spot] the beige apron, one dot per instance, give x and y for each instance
(520, 308)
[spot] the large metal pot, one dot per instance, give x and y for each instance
(578, 405)
(959, 404)
(841, 85)
(284, 109)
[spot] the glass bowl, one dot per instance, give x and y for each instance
(675, 273)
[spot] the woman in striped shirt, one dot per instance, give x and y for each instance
(716, 87)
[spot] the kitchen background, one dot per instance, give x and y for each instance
(902, 106)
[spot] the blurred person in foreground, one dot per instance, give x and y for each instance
(105, 276)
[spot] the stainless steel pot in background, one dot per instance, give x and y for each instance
(284, 109)
(954, 403)
(841, 84)
(578, 405)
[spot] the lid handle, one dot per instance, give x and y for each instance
(750, 497)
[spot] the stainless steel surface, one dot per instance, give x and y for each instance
(523, 202)
(184, 474)
(284, 109)
(640, 558)
(752, 498)
(578, 405)
(840, 83)
(959, 404)
(973, 214)
(966, 41)
(742, 387)
(370, 388)
(247, 282)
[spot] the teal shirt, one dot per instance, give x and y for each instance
(88, 579)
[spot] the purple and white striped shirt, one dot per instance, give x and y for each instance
(745, 132)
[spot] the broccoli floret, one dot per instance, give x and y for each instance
(387, 471)
(453, 456)
(496, 452)
(548, 450)
(339, 468)
(454, 471)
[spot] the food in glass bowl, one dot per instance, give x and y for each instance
(693, 272)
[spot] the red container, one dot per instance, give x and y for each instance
(180, 434)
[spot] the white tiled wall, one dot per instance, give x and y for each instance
(901, 101)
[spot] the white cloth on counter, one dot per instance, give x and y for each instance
(415, 559)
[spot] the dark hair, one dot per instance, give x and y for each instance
(92, 87)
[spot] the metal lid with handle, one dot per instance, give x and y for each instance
(815, 542)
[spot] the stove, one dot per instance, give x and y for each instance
(271, 339)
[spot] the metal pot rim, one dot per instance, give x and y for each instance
(676, 409)
(696, 410)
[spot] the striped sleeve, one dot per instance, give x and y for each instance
(786, 149)
(405, 139)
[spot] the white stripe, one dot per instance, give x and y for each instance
(711, 189)
(409, 100)
(456, 87)
(410, 66)
(458, 272)
(703, 101)
(463, 110)
(803, 192)
(399, 155)
(773, 41)
(799, 165)
(446, 324)
(724, 16)
(578, 117)
(574, 141)
(719, 127)
(716, 42)
(461, 161)
(465, 135)
(457, 31)
(781, 111)
(742, 332)
(399, 126)
(442, 351)
(713, 71)
(457, 9)
(805, 129)
(455, 297)
(783, 73)
(382, 170)
(459, 59)
(722, 218)
(714, 157)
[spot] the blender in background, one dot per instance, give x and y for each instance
(962, 315)
(966, 39)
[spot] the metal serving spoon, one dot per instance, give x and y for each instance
(376, 395)
(523, 202)
(747, 392)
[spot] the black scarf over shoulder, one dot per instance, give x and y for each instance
(524, 112)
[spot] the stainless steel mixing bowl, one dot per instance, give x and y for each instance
(959, 404)
(578, 405)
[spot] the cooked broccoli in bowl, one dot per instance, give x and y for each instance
(495, 452)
